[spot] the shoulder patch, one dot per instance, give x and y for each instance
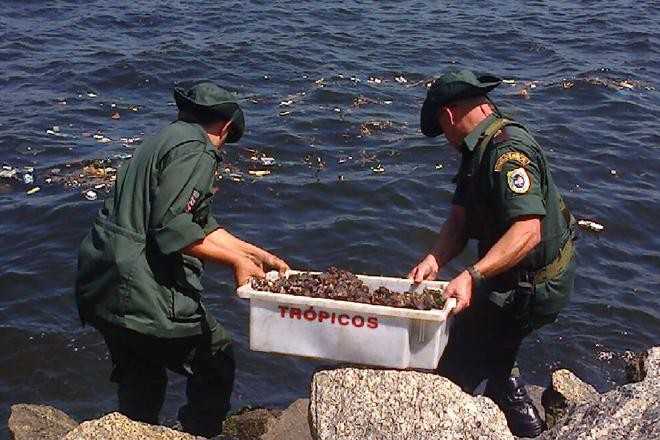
(518, 180)
(511, 156)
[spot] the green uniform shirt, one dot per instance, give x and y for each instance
(511, 181)
(131, 271)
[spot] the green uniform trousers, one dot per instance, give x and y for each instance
(140, 363)
(485, 338)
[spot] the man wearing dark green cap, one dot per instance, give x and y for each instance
(506, 200)
(139, 268)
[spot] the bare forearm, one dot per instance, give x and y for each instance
(516, 243)
(451, 241)
(224, 239)
(207, 250)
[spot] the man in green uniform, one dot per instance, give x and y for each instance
(506, 200)
(139, 268)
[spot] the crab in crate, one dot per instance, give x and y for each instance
(342, 285)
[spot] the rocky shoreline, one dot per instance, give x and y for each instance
(350, 403)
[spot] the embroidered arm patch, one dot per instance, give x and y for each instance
(194, 198)
(518, 180)
(511, 156)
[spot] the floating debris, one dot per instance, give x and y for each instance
(90, 195)
(337, 109)
(438, 166)
(613, 172)
(286, 103)
(236, 177)
(91, 95)
(36, 189)
(131, 140)
(285, 113)
(8, 172)
(374, 80)
(28, 178)
(509, 81)
(115, 115)
(55, 131)
(400, 79)
(259, 173)
(267, 160)
(369, 127)
(378, 169)
(590, 225)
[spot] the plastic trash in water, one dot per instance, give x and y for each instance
(267, 160)
(33, 190)
(591, 226)
(7, 172)
(259, 173)
(378, 169)
(400, 79)
(90, 195)
(28, 178)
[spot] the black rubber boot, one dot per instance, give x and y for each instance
(521, 415)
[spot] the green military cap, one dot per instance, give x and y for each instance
(452, 86)
(207, 102)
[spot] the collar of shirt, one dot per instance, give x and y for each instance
(209, 146)
(472, 139)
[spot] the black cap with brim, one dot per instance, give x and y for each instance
(452, 86)
(208, 103)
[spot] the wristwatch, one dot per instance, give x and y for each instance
(477, 277)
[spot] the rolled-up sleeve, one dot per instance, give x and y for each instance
(185, 186)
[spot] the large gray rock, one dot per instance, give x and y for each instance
(566, 390)
(38, 422)
(115, 426)
(629, 412)
(352, 404)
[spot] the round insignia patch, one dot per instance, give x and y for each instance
(518, 180)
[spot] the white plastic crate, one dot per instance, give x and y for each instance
(350, 332)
